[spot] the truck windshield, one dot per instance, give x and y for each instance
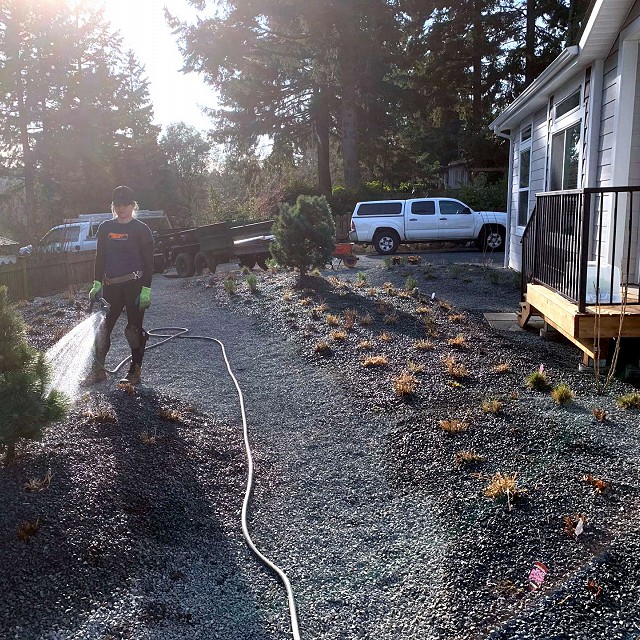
(61, 236)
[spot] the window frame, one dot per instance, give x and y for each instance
(524, 146)
(561, 125)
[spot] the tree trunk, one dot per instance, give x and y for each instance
(350, 160)
(476, 61)
(321, 125)
(530, 43)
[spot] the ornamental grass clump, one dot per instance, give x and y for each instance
(405, 384)
(338, 335)
(27, 405)
(454, 426)
(503, 486)
(230, 285)
(492, 406)
(538, 380)
(562, 394)
(365, 320)
(467, 458)
(629, 400)
(322, 348)
(423, 345)
(410, 284)
(375, 361)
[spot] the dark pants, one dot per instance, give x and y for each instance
(123, 296)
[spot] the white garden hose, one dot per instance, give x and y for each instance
(180, 332)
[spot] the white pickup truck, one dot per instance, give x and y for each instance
(387, 223)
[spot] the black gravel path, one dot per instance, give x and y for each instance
(358, 497)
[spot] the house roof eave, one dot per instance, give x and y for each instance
(536, 94)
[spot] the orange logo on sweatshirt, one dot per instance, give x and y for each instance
(118, 236)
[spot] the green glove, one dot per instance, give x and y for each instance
(144, 299)
(96, 290)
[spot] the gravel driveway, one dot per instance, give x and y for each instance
(356, 498)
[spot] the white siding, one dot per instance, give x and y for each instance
(609, 97)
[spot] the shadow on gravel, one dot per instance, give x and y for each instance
(134, 530)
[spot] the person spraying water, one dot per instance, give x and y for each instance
(122, 277)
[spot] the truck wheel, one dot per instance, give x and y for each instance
(261, 261)
(491, 239)
(386, 242)
(200, 263)
(184, 265)
(247, 261)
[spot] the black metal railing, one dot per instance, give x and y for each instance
(565, 247)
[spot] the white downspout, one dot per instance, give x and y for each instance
(507, 249)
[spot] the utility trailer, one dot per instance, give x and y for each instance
(193, 250)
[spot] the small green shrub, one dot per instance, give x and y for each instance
(455, 270)
(386, 262)
(230, 285)
(361, 277)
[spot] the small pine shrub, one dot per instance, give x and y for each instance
(230, 285)
(361, 278)
(387, 262)
(252, 282)
(410, 284)
(562, 394)
(26, 404)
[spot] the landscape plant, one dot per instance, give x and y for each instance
(27, 405)
(304, 235)
(562, 394)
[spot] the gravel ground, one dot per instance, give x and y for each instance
(358, 495)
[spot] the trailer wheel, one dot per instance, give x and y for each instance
(261, 261)
(184, 265)
(247, 261)
(200, 263)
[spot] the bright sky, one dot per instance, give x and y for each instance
(175, 96)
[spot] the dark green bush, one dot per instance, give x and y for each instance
(304, 234)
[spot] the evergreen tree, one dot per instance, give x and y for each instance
(26, 407)
(304, 234)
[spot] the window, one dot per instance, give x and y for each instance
(62, 236)
(451, 207)
(424, 207)
(565, 153)
(523, 186)
(526, 134)
(568, 104)
(380, 209)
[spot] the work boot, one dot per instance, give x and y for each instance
(95, 376)
(133, 376)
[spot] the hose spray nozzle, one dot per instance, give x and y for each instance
(104, 305)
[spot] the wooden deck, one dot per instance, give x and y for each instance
(590, 331)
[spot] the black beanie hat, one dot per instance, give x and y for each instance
(123, 195)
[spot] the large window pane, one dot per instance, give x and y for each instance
(525, 165)
(523, 208)
(571, 155)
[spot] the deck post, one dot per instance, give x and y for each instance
(585, 221)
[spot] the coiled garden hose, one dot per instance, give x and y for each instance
(180, 332)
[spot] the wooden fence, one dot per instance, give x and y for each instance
(46, 274)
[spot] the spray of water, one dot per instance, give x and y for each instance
(71, 357)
